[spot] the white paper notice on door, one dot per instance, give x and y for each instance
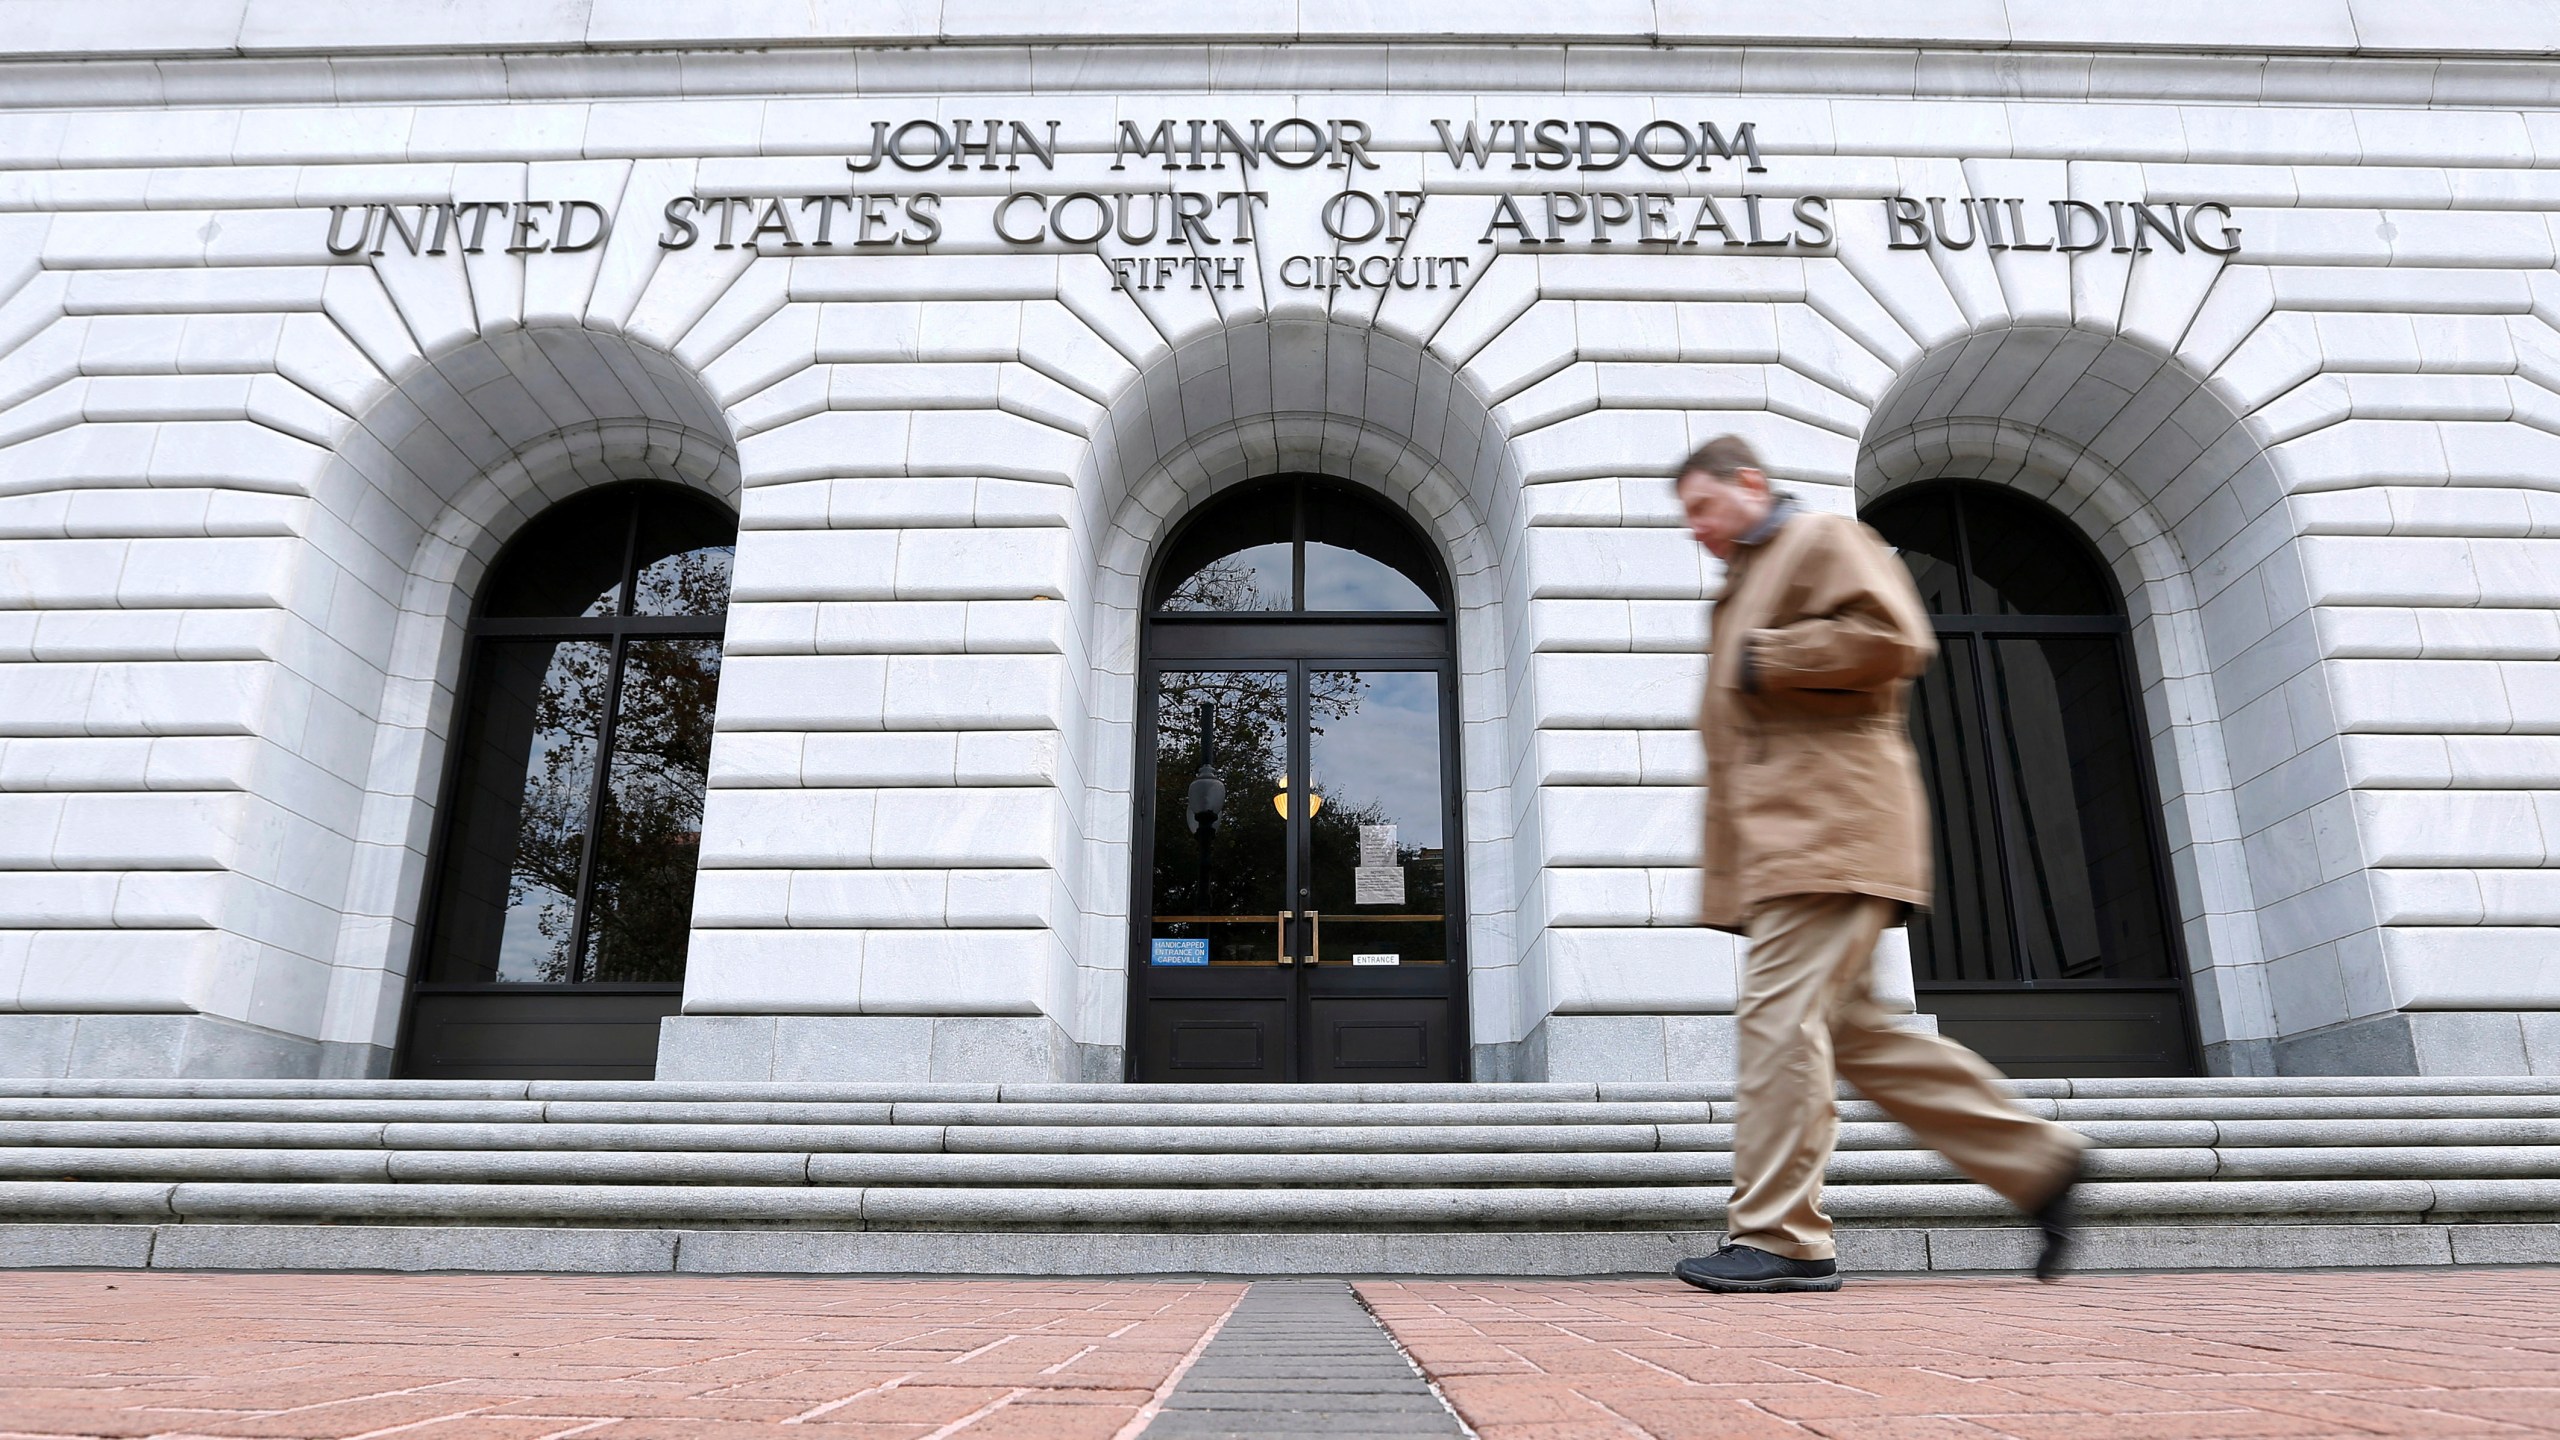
(1377, 847)
(1367, 959)
(1377, 885)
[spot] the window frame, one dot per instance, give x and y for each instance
(616, 631)
(1984, 627)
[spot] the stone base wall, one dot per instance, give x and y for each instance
(2427, 1042)
(157, 1047)
(1685, 1048)
(1008, 1049)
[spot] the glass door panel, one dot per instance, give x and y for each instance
(1297, 925)
(1378, 875)
(1222, 864)
(2074, 807)
(508, 907)
(1965, 935)
(560, 908)
(2052, 946)
(649, 829)
(2044, 863)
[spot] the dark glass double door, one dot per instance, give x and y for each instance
(1296, 919)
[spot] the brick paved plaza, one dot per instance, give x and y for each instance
(2301, 1354)
(520, 1357)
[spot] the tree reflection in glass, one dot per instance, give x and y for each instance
(550, 876)
(1237, 867)
(1228, 881)
(1297, 546)
(649, 827)
(1251, 579)
(524, 838)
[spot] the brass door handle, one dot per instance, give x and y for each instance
(1281, 945)
(1315, 937)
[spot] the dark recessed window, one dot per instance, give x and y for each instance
(2047, 861)
(575, 825)
(1979, 550)
(2051, 946)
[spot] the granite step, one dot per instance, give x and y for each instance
(1295, 1172)
(657, 1092)
(1416, 1209)
(2356, 1171)
(1175, 1140)
(1085, 1115)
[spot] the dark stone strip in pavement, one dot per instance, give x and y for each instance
(1301, 1357)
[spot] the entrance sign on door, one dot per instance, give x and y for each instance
(1180, 952)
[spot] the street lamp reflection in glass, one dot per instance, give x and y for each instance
(1208, 796)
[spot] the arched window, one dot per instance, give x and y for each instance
(1307, 547)
(2050, 947)
(563, 884)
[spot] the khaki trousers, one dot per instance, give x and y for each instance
(1807, 1007)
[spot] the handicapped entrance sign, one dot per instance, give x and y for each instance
(1179, 952)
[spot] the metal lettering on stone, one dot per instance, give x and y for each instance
(1547, 211)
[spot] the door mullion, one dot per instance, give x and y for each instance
(1297, 885)
(1142, 866)
(615, 650)
(597, 796)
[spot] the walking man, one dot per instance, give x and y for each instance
(1817, 840)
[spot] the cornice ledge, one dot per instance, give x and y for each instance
(214, 29)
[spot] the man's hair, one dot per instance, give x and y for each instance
(1720, 457)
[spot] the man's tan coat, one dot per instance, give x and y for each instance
(1812, 787)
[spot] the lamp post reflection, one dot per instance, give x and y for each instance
(1208, 797)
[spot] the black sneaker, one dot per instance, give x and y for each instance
(1741, 1270)
(2060, 1227)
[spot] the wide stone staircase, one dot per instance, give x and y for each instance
(1151, 1179)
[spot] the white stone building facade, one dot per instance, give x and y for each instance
(250, 487)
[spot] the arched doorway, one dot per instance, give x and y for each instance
(2052, 947)
(1297, 912)
(561, 897)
